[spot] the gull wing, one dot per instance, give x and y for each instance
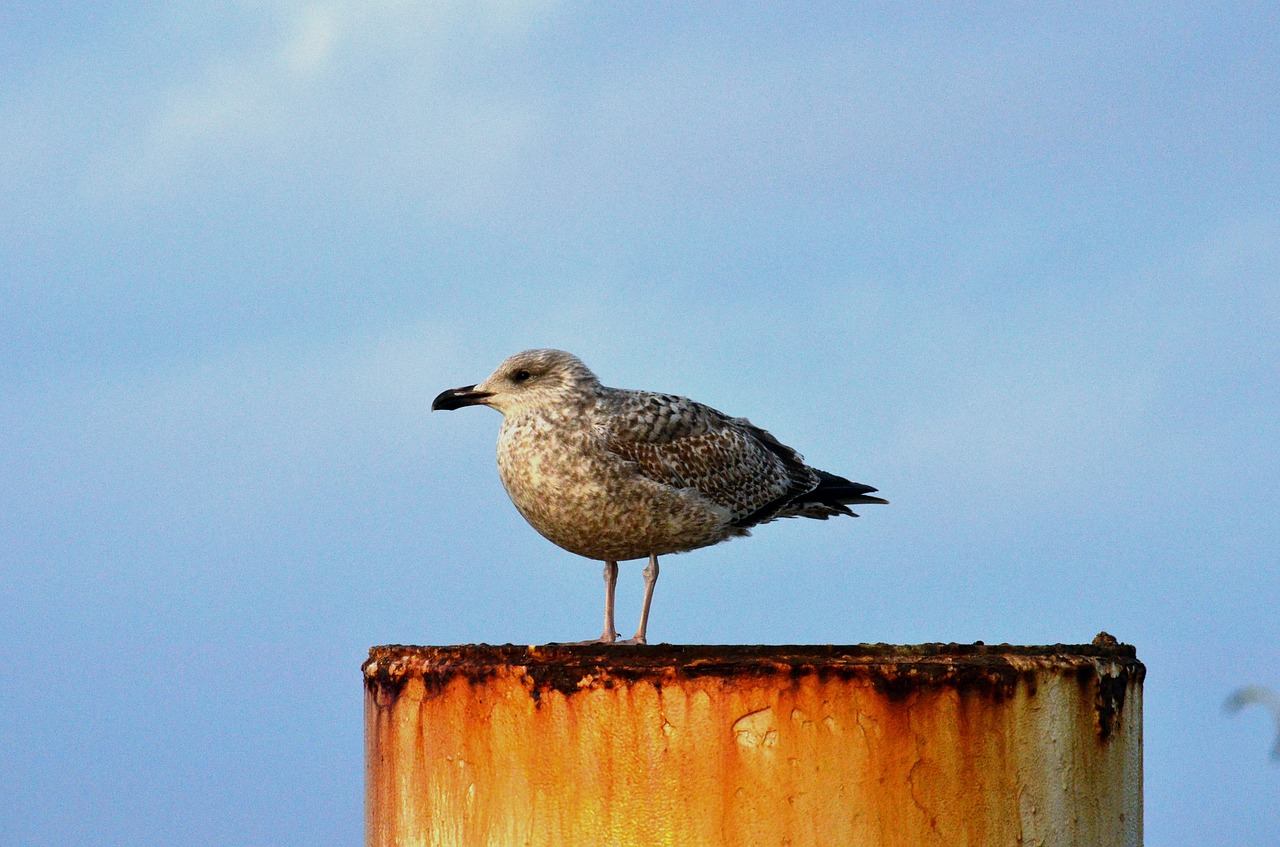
(731, 462)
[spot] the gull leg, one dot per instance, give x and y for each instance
(610, 583)
(610, 634)
(650, 580)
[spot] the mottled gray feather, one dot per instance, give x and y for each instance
(735, 464)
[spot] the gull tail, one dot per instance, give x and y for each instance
(832, 496)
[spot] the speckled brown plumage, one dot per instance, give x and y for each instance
(613, 474)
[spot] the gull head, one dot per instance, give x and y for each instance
(528, 381)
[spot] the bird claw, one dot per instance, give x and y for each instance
(637, 640)
(603, 639)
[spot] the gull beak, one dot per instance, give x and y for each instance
(456, 398)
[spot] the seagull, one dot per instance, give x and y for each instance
(1256, 695)
(614, 475)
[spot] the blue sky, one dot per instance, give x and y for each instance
(1015, 266)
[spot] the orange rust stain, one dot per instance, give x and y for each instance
(766, 751)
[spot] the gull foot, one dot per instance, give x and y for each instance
(603, 639)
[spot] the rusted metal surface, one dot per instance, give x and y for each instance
(753, 745)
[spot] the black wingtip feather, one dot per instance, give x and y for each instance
(835, 491)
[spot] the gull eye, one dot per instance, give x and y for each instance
(521, 375)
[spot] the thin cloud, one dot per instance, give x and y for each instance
(283, 98)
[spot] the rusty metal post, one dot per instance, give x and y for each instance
(802, 746)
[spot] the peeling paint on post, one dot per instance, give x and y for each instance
(759, 745)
